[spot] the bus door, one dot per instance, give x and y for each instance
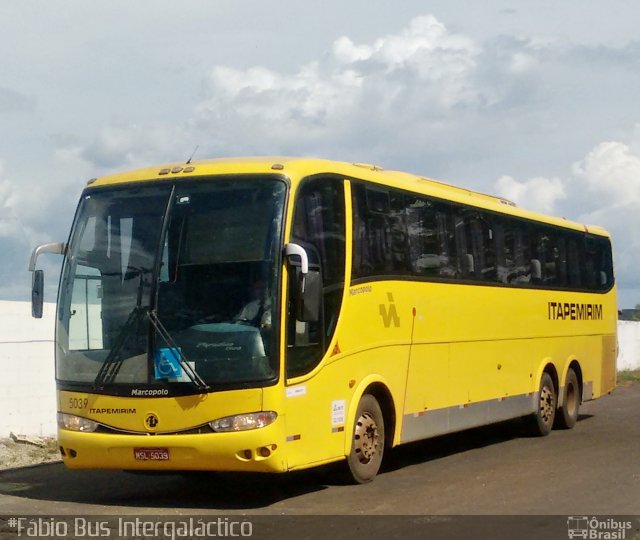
(318, 227)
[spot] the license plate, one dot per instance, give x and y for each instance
(151, 454)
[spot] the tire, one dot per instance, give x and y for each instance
(542, 419)
(367, 444)
(567, 415)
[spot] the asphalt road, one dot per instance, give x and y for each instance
(593, 469)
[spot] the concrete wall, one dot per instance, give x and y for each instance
(629, 345)
(27, 388)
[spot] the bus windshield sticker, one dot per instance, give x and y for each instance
(167, 363)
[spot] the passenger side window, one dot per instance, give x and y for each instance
(484, 249)
(574, 278)
(431, 239)
(549, 257)
(512, 252)
(469, 244)
(380, 244)
(597, 266)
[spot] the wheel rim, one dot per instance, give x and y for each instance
(366, 438)
(547, 405)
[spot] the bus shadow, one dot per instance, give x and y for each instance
(225, 491)
(436, 448)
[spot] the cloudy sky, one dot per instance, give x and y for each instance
(536, 101)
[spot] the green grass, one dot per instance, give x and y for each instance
(629, 376)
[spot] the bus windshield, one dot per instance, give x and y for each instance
(167, 284)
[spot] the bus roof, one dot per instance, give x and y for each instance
(297, 168)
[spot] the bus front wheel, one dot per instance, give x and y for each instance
(568, 414)
(367, 444)
(544, 416)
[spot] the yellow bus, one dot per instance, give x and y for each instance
(274, 314)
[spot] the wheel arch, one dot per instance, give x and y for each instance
(379, 389)
(574, 364)
(548, 366)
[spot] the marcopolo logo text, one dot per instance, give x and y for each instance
(150, 392)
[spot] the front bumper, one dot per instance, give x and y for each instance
(258, 450)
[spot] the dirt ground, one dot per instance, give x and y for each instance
(20, 454)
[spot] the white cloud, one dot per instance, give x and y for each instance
(356, 95)
(120, 144)
(540, 194)
(522, 62)
(424, 44)
(346, 52)
(611, 171)
(309, 96)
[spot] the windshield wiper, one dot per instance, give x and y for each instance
(112, 363)
(177, 352)
(111, 366)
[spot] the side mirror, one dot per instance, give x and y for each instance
(37, 294)
(37, 280)
(310, 297)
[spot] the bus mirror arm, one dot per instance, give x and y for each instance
(295, 249)
(58, 248)
(309, 289)
(37, 280)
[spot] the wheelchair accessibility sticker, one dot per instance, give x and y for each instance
(167, 364)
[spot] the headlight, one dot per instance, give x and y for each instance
(76, 423)
(242, 422)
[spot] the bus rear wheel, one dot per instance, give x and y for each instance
(568, 414)
(367, 444)
(544, 416)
